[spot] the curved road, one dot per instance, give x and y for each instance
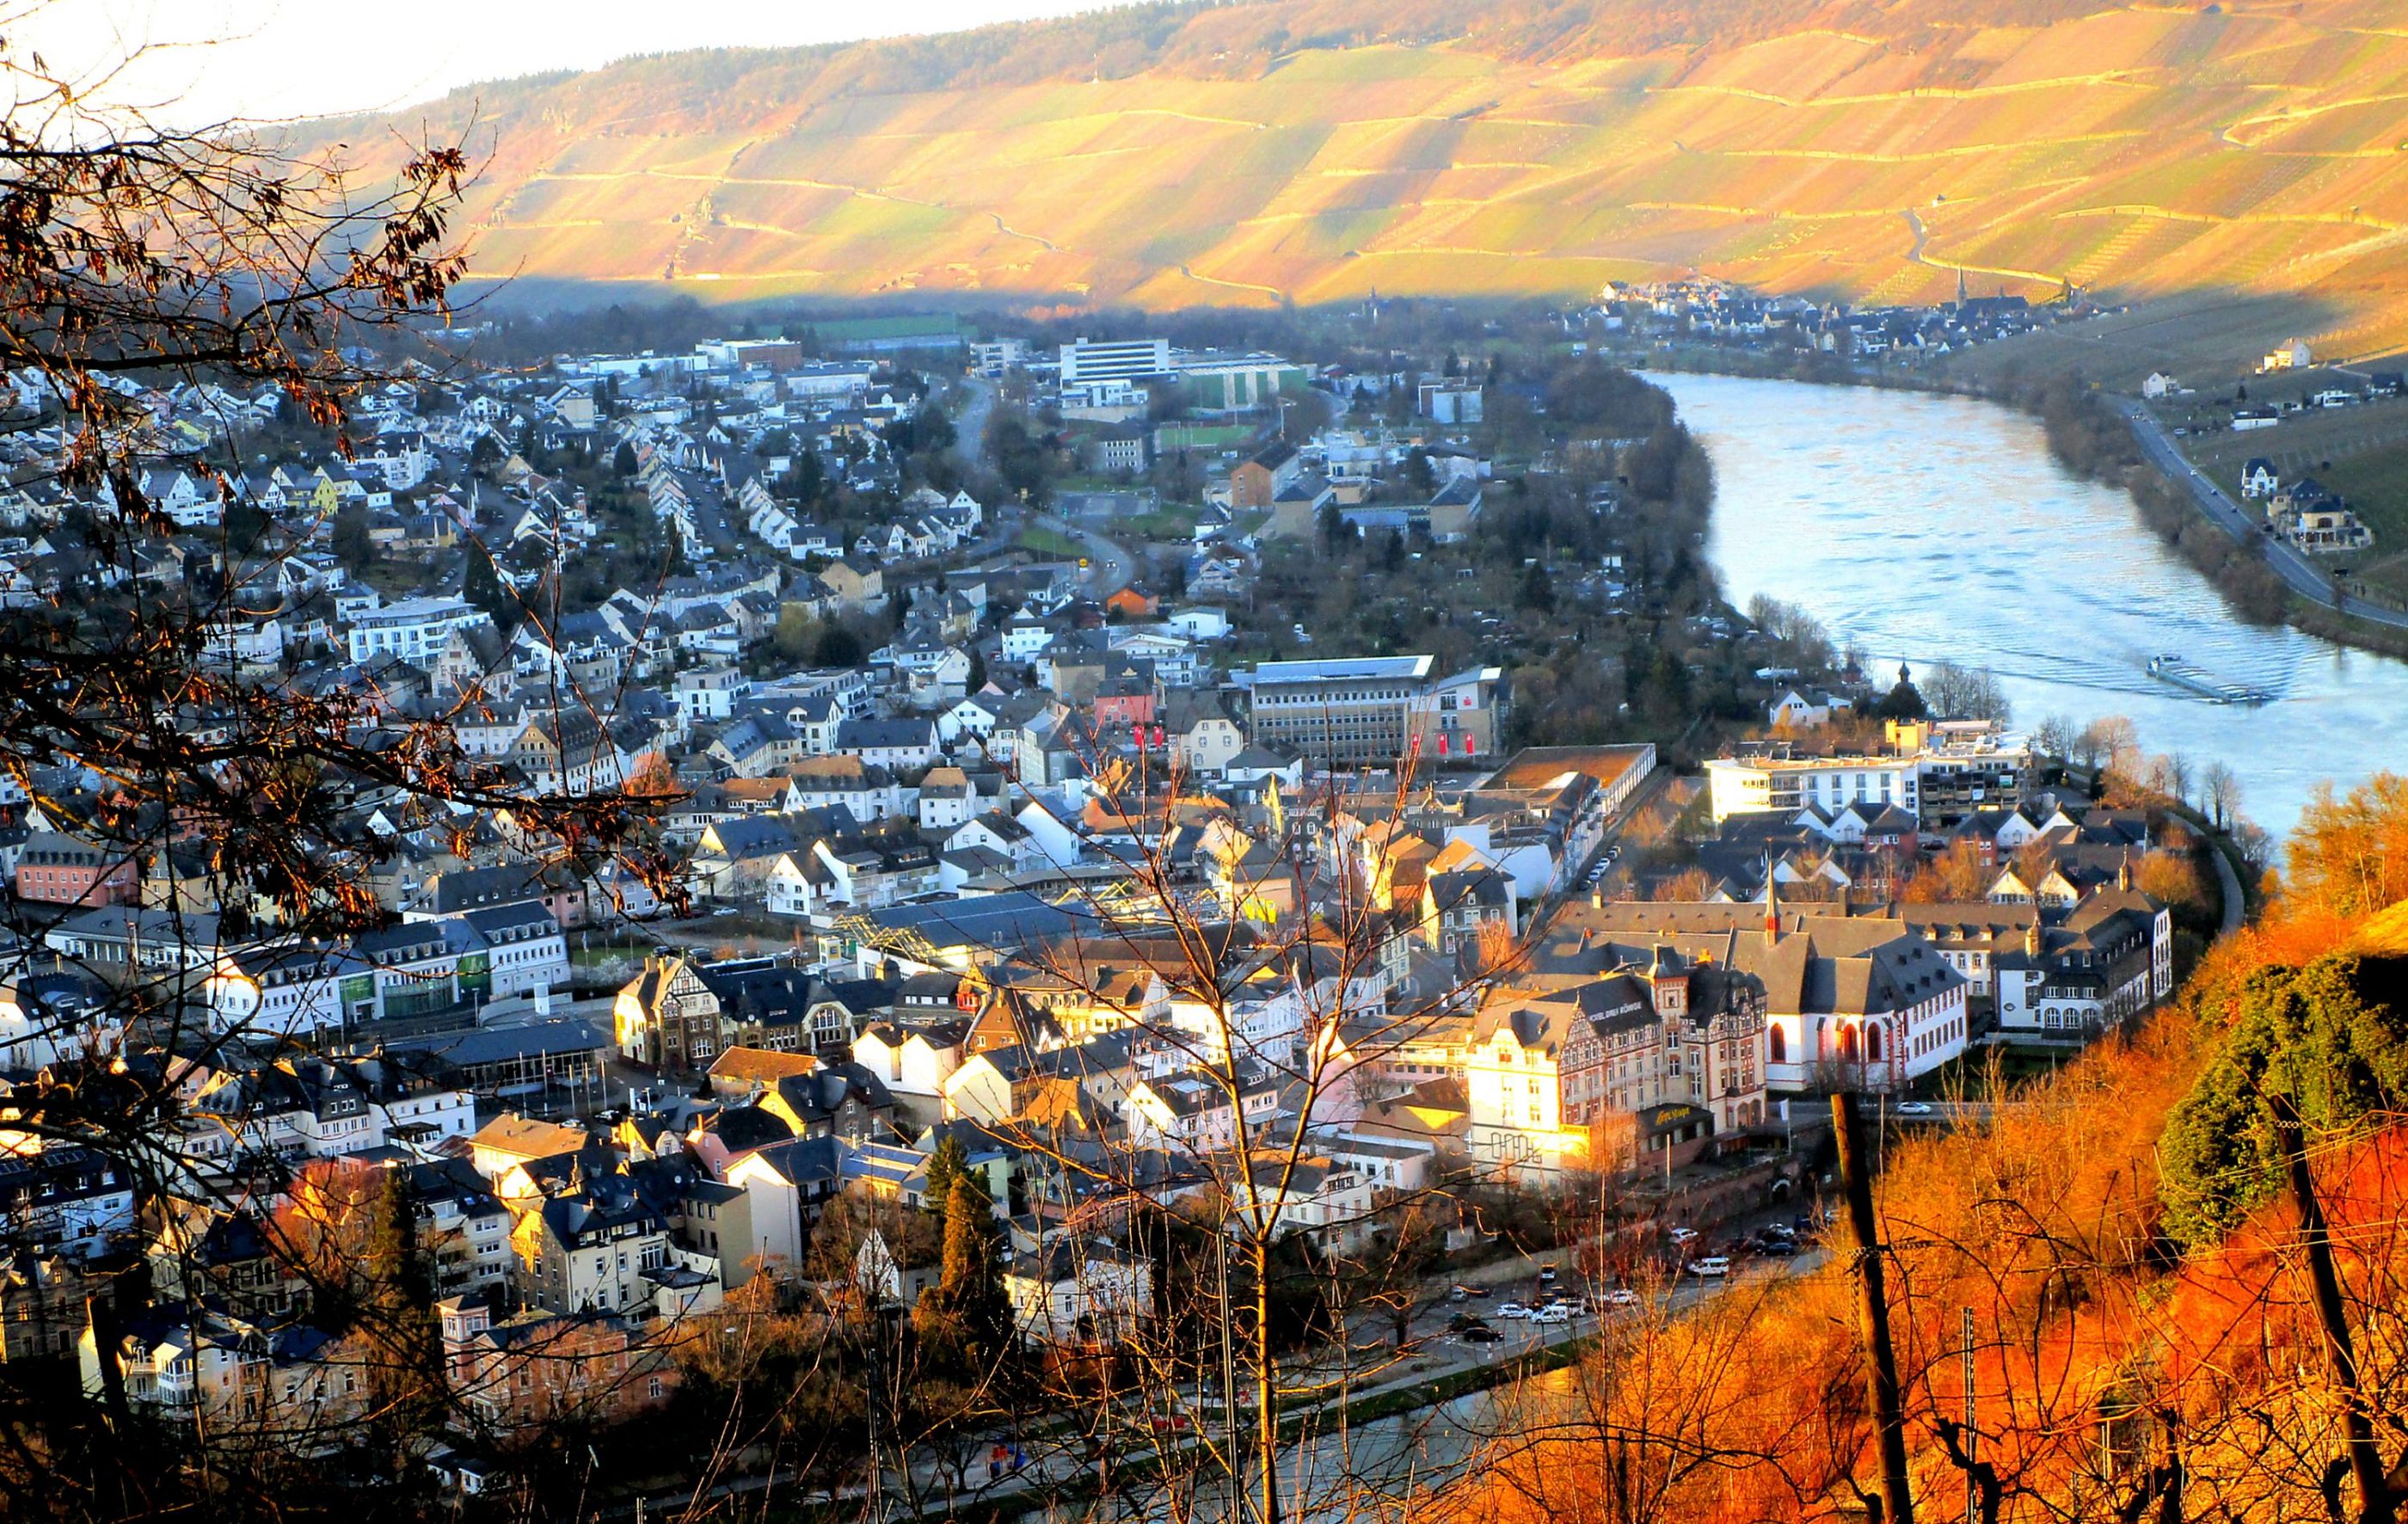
(1110, 567)
(2304, 577)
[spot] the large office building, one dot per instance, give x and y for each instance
(1373, 708)
(1229, 383)
(1938, 773)
(1118, 359)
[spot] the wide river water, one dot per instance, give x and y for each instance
(1930, 528)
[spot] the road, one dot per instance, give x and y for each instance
(1058, 1462)
(1110, 568)
(2303, 576)
(1578, 885)
(2235, 908)
(969, 425)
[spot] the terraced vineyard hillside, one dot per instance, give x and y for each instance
(1250, 153)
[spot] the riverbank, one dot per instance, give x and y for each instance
(1923, 528)
(2097, 440)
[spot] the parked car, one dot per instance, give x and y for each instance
(1463, 1323)
(1915, 1107)
(1547, 1274)
(1621, 1296)
(1713, 1267)
(1558, 1313)
(1574, 1308)
(1471, 1291)
(1682, 1235)
(1513, 1309)
(1484, 1334)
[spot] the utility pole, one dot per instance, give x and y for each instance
(1233, 1467)
(2376, 1504)
(1881, 1377)
(1973, 1436)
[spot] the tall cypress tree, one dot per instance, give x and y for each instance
(945, 1164)
(965, 1316)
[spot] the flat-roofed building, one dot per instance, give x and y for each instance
(1114, 359)
(1940, 774)
(1374, 708)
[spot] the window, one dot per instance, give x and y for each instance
(1779, 1040)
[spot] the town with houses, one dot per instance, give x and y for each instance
(986, 847)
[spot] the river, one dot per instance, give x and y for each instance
(1931, 528)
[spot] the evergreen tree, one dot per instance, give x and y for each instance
(972, 1277)
(405, 1372)
(1538, 590)
(838, 646)
(1335, 530)
(352, 546)
(483, 588)
(2333, 1037)
(964, 1318)
(945, 1165)
(623, 460)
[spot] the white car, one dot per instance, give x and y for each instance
(1913, 1108)
(1713, 1267)
(1682, 1235)
(1621, 1296)
(1559, 1312)
(1512, 1309)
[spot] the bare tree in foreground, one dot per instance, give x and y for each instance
(134, 259)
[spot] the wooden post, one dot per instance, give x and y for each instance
(2376, 1504)
(1972, 1434)
(1881, 1378)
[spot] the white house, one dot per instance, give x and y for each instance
(1079, 1289)
(413, 629)
(948, 798)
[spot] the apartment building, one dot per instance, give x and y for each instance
(413, 629)
(1938, 773)
(1373, 708)
(1124, 359)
